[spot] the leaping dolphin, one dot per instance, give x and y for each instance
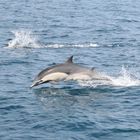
(66, 71)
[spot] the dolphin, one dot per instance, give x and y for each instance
(66, 71)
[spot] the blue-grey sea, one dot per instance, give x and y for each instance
(36, 34)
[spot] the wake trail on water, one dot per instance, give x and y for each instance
(26, 39)
(124, 79)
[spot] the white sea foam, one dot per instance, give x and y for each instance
(86, 45)
(124, 79)
(23, 39)
(55, 46)
(26, 39)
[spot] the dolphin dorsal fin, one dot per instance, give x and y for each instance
(70, 59)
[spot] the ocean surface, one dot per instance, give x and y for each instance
(35, 34)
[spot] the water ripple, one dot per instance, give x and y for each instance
(101, 34)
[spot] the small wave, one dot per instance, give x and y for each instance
(125, 79)
(23, 39)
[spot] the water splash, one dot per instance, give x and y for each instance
(23, 39)
(124, 79)
(26, 39)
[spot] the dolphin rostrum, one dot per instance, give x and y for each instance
(65, 71)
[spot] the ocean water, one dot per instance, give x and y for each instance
(34, 34)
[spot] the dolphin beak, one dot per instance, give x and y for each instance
(35, 83)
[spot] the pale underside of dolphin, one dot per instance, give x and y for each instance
(66, 71)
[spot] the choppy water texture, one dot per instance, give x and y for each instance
(35, 34)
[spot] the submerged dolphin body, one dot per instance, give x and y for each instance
(65, 71)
